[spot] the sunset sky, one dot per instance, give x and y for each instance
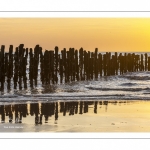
(106, 34)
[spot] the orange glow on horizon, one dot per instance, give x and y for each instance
(106, 34)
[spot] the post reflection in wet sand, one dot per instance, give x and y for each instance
(87, 116)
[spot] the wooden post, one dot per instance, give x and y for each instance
(56, 64)
(145, 61)
(85, 65)
(2, 74)
(116, 63)
(96, 63)
(81, 62)
(125, 63)
(100, 64)
(76, 65)
(31, 68)
(104, 64)
(148, 63)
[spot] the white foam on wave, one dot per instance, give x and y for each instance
(128, 86)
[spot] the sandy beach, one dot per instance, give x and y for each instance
(114, 116)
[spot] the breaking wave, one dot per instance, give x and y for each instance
(130, 86)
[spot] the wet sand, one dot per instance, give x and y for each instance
(102, 116)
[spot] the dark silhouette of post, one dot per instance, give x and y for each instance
(56, 64)
(146, 61)
(2, 68)
(31, 65)
(149, 63)
(81, 63)
(141, 63)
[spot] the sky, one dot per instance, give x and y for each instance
(106, 34)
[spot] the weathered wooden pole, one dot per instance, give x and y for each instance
(149, 63)
(104, 64)
(76, 65)
(56, 64)
(81, 62)
(146, 61)
(116, 63)
(96, 63)
(31, 68)
(100, 63)
(2, 71)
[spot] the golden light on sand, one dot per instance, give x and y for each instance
(107, 34)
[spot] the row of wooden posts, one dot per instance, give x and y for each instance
(18, 111)
(64, 66)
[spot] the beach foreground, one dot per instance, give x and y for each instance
(76, 116)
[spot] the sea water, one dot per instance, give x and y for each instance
(129, 86)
